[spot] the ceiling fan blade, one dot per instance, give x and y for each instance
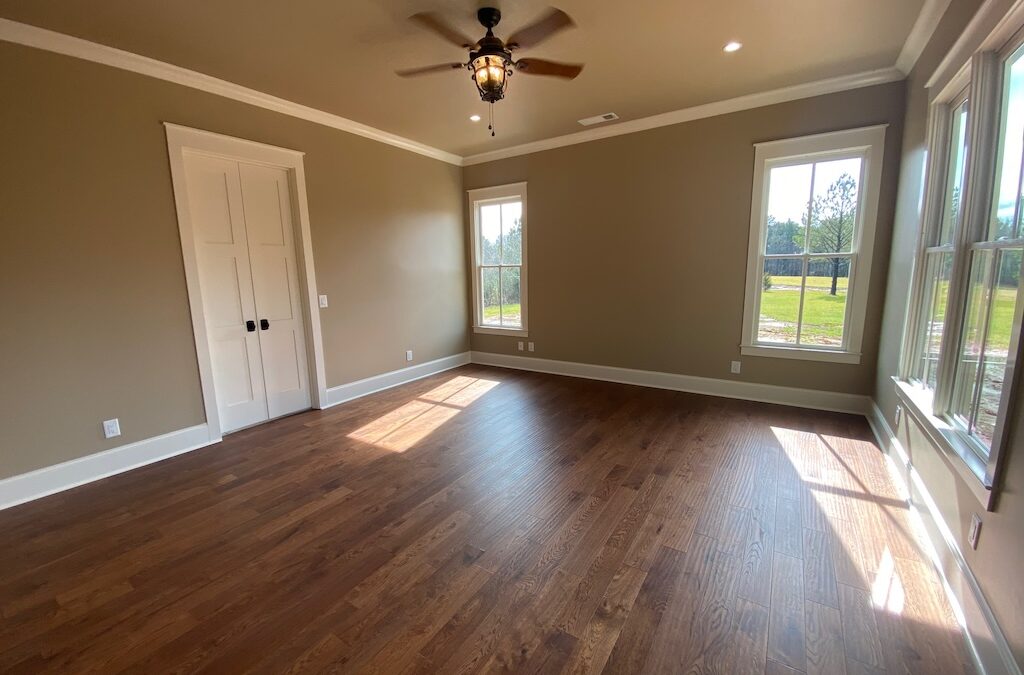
(412, 72)
(542, 67)
(433, 22)
(541, 29)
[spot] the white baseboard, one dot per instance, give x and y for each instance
(370, 385)
(750, 391)
(66, 475)
(985, 640)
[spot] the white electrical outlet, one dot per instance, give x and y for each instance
(735, 367)
(408, 355)
(975, 531)
(111, 428)
(323, 301)
(520, 345)
(530, 346)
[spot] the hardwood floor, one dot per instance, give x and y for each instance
(485, 520)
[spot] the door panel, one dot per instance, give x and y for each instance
(266, 199)
(215, 206)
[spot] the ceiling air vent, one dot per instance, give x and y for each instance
(598, 119)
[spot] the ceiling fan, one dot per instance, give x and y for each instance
(490, 58)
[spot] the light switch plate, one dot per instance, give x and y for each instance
(323, 301)
(111, 428)
(734, 368)
(520, 345)
(975, 531)
(529, 346)
(408, 355)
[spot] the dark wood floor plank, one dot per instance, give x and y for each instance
(487, 520)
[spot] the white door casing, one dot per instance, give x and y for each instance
(294, 319)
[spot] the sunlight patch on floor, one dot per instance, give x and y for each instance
(887, 590)
(407, 425)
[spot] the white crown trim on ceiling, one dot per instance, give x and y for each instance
(927, 21)
(41, 38)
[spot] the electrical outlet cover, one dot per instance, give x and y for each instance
(111, 428)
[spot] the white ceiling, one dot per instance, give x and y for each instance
(642, 58)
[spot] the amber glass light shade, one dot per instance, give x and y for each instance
(490, 73)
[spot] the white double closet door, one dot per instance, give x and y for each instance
(241, 217)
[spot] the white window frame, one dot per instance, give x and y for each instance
(478, 198)
(868, 143)
(982, 76)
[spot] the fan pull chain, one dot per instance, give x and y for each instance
(490, 118)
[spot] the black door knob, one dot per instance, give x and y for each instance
(264, 324)
(250, 326)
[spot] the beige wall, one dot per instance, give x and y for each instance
(91, 278)
(998, 561)
(638, 243)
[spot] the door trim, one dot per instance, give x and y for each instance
(181, 139)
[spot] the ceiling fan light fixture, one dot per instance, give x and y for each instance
(490, 74)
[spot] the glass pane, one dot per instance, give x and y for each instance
(834, 211)
(490, 234)
(512, 233)
(789, 190)
(825, 302)
(965, 387)
(955, 177)
(997, 343)
(511, 312)
(780, 300)
(1007, 217)
(491, 295)
(938, 267)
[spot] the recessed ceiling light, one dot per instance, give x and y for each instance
(732, 47)
(474, 118)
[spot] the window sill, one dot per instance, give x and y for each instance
(495, 330)
(947, 438)
(801, 354)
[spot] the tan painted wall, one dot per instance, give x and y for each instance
(1000, 555)
(91, 278)
(638, 243)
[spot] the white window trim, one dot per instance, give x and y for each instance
(981, 71)
(476, 198)
(869, 142)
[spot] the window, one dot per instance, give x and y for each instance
(811, 233)
(964, 322)
(939, 245)
(499, 259)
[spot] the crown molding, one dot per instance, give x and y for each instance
(799, 91)
(40, 38)
(60, 43)
(928, 19)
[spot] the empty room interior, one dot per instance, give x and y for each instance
(439, 336)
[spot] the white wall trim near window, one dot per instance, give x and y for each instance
(813, 212)
(498, 229)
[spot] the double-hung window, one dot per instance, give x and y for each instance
(812, 229)
(499, 259)
(963, 334)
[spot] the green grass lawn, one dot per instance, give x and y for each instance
(822, 321)
(493, 312)
(812, 282)
(824, 313)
